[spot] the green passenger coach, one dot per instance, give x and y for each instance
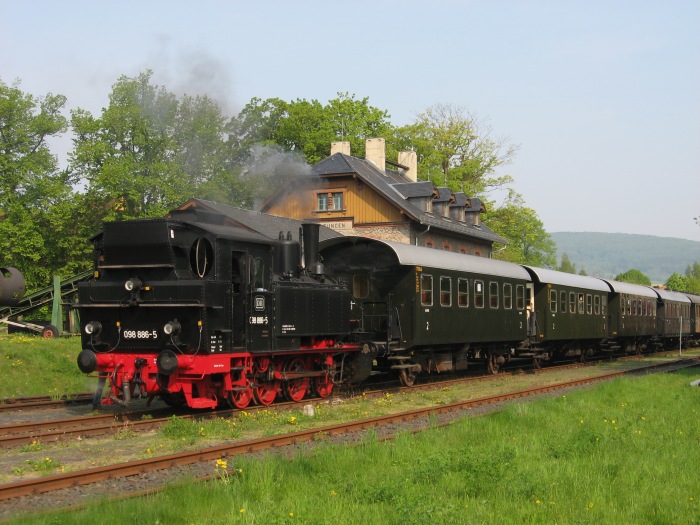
(569, 313)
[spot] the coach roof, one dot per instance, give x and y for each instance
(631, 289)
(546, 276)
(409, 255)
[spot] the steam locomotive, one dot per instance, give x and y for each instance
(200, 313)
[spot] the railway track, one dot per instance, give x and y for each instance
(10, 404)
(452, 410)
(58, 430)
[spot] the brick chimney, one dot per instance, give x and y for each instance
(375, 151)
(340, 147)
(409, 159)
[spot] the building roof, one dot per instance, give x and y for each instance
(394, 186)
(270, 226)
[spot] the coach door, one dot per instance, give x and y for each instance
(532, 328)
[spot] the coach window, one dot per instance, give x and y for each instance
(462, 293)
(596, 305)
(580, 303)
(589, 304)
(493, 295)
(508, 296)
(553, 301)
(445, 291)
(360, 286)
(479, 294)
(520, 297)
(603, 304)
(562, 302)
(426, 290)
(572, 302)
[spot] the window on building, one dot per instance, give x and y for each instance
(479, 294)
(445, 291)
(508, 296)
(446, 246)
(463, 293)
(322, 200)
(330, 201)
(429, 204)
(493, 295)
(429, 243)
(426, 290)
(337, 200)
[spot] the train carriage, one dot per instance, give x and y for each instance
(673, 317)
(694, 316)
(632, 316)
(569, 314)
(429, 310)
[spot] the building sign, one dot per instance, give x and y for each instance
(338, 225)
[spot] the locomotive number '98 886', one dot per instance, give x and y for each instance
(200, 313)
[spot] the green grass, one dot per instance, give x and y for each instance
(33, 366)
(625, 452)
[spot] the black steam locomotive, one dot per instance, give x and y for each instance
(200, 313)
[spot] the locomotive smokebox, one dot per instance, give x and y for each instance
(11, 286)
(287, 256)
(310, 235)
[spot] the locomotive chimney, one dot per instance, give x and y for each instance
(310, 234)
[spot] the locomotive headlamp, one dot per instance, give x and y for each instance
(133, 284)
(93, 328)
(172, 328)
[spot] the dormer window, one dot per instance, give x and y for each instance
(429, 205)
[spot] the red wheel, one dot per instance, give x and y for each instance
(240, 397)
(265, 393)
(323, 386)
(296, 389)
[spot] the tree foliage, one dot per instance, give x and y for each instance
(150, 150)
(455, 150)
(529, 243)
(688, 282)
(35, 196)
(633, 276)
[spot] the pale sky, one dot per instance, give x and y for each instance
(602, 96)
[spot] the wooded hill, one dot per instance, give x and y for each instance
(609, 254)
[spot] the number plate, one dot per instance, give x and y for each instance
(140, 334)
